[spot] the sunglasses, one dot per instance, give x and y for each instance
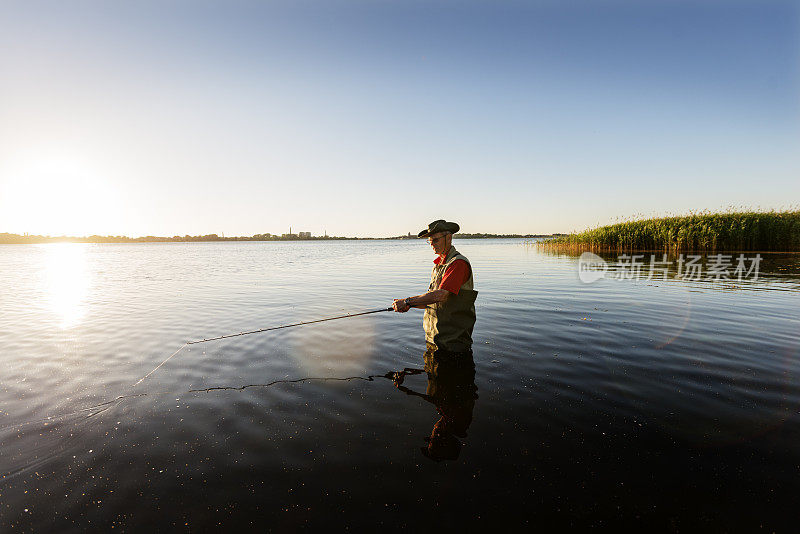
(436, 239)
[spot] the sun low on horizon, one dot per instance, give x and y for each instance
(54, 191)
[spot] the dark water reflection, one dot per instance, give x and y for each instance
(451, 389)
(671, 404)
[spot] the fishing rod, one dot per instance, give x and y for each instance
(256, 332)
(288, 326)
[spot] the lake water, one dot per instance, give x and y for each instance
(664, 402)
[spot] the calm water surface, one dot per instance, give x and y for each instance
(667, 403)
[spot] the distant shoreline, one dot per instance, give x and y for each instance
(16, 239)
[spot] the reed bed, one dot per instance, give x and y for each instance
(703, 231)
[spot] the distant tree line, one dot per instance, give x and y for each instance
(6, 238)
(485, 236)
(501, 236)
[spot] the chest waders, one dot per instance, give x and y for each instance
(448, 324)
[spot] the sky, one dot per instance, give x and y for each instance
(373, 118)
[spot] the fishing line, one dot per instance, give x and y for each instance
(160, 364)
(108, 404)
(256, 332)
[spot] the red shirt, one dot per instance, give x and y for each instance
(454, 276)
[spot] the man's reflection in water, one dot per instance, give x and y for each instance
(452, 389)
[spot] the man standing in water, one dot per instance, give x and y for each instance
(449, 318)
(449, 303)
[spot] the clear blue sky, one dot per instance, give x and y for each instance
(372, 118)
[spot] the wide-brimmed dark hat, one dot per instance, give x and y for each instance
(439, 226)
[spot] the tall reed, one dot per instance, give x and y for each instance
(703, 231)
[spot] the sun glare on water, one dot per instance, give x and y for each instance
(66, 281)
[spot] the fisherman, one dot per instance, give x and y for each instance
(449, 303)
